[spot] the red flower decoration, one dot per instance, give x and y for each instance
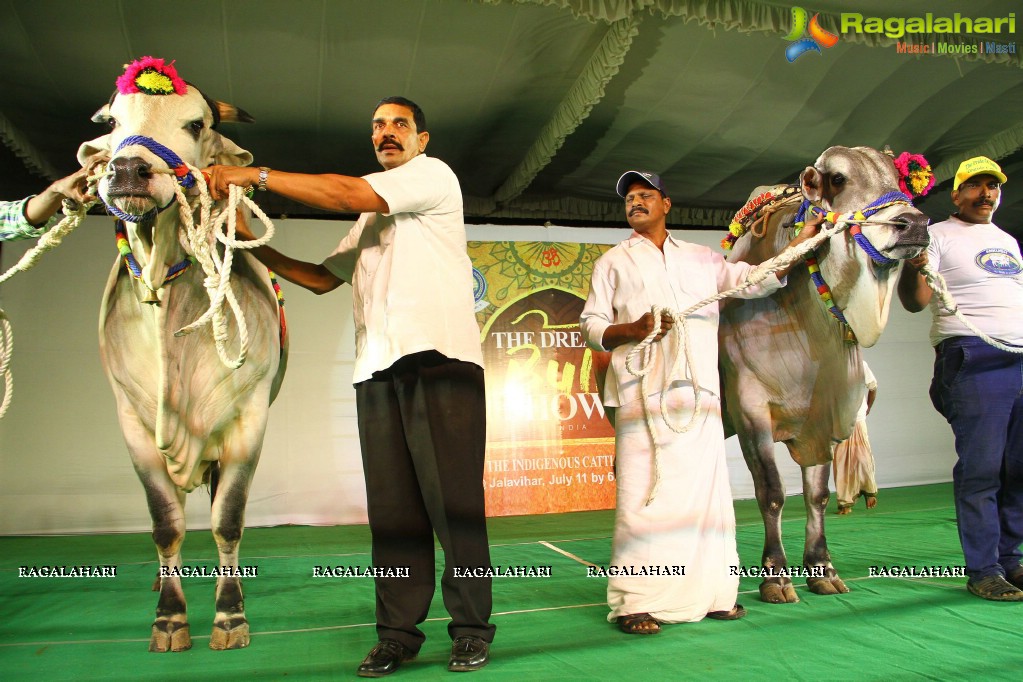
(151, 76)
(915, 175)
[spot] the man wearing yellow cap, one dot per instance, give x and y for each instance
(977, 387)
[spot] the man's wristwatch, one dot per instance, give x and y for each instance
(264, 173)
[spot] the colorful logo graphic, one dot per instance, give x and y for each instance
(999, 262)
(818, 36)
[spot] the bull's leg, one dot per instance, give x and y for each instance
(167, 509)
(822, 578)
(230, 627)
(770, 491)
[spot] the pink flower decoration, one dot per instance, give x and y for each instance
(151, 76)
(915, 175)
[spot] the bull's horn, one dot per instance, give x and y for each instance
(102, 114)
(229, 113)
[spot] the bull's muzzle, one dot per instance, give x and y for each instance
(129, 176)
(911, 228)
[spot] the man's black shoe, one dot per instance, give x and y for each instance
(995, 588)
(384, 658)
(468, 653)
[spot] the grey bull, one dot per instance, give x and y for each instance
(790, 372)
(183, 413)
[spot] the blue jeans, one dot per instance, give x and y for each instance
(979, 390)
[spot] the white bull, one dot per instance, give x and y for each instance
(183, 413)
(790, 374)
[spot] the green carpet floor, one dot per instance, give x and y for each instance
(307, 628)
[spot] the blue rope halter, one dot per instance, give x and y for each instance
(167, 155)
(883, 201)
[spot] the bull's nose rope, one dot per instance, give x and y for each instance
(200, 240)
(73, 215)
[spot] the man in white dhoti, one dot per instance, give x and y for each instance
(673, 556)
(853, 461)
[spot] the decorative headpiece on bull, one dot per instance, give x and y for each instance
(187, 417)
(789, 375)
(149, 162)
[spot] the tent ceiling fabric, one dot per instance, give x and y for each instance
(537, 105)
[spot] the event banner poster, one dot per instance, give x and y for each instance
(550, 447)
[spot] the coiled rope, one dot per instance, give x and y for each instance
(199, 240)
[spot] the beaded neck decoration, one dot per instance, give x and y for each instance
(132, 264)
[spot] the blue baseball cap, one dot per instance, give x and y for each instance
(629, 177)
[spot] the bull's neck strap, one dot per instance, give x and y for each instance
(130, 262)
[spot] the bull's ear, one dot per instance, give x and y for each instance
(101, 145)
(812, 184)
(221, 150)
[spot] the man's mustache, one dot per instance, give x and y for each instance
(637, 209)
(389, 143)
(984, 202)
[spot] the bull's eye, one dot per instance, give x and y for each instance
(837, 179)
(196, 127)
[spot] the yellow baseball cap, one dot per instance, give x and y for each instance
(977, 166)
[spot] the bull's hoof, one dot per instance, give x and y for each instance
(232, 634)
(827, 585)
(775, 592)
(170, 635)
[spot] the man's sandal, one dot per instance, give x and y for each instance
(639, 624)
(737, 612)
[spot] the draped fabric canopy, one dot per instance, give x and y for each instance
(538, 105)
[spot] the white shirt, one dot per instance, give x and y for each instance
(634, 276)
(982, 266)
(409, 269)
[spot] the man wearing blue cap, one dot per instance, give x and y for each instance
(978, 387)
(674, 537)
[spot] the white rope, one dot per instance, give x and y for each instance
(6, 353)
(74, 213)
(937, 283)
(200, 242)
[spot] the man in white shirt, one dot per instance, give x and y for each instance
(690, 523)
(979, 388)
(418, 377)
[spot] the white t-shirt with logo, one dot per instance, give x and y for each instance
(983, 269)
(410, 273)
